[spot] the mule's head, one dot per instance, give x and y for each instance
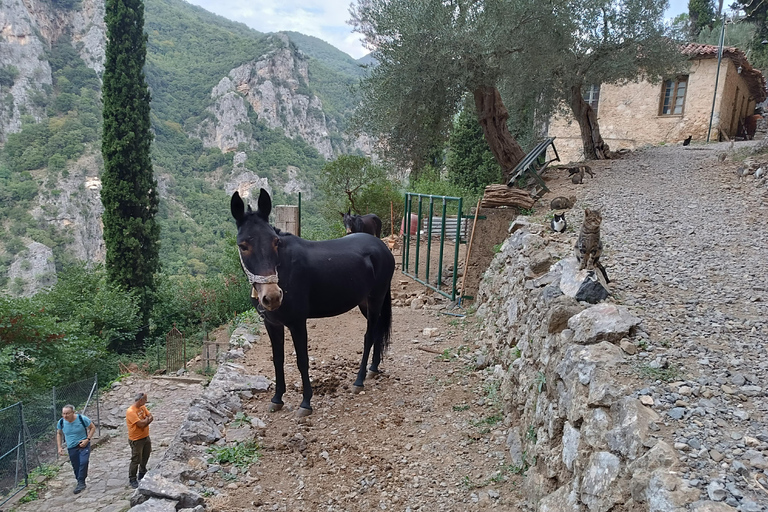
(349, 221)
(258, 244)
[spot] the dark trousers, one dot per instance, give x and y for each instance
(79, 458)
(140, 450)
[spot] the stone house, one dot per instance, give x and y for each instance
(636, 114)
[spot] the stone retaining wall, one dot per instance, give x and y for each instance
(584, 439)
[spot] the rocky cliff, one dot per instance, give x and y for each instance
(28, 29)
(275, 85)
(274, 89)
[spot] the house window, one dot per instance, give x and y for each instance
(673, 96)
(592, 96)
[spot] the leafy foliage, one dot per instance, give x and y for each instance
(701, 14)
(469, 161)
(432, 53)
(356, 183)
(8, 75)
(62, 335)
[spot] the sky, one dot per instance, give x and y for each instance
(324, 19)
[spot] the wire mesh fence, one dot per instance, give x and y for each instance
(28, 431)
(14, 469)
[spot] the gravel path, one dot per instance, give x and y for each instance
(687, 249)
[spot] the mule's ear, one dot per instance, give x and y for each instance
(236, 206)
(264, 205)
(342, 214)
(349, 211)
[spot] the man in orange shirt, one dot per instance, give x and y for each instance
(138, 418)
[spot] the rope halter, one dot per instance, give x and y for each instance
(253, 278)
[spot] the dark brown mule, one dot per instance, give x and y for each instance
(370, 223)
(294, 279)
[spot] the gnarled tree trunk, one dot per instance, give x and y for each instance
(595, 147)
(493, 115)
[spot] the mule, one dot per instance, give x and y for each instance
(293, 279)
(370, 223)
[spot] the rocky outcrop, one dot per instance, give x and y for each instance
(32, 270)
(22, 50)
(276, 87)
(582, 436)
(76, 210)
(28, 30)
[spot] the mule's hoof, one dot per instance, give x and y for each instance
(373, 374)
(357, 389)
(302, 412)
(273, 407)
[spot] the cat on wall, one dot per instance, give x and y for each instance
(589, 247)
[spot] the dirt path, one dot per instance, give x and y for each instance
(426, 435)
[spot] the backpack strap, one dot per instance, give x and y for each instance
(60, 424)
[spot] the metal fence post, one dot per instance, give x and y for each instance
(98, 411)
(23, 444)
(55, 414)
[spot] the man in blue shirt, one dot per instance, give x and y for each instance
(78, 431)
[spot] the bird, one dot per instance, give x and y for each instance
(687, 141)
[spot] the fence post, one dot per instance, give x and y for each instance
(456, 253)
(23, 444)
(98, 411)
(55, 413)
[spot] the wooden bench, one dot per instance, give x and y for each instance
(534, 164)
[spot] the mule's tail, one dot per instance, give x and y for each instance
(383, 329)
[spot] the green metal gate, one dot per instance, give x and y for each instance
(175, 351)
(442, 232)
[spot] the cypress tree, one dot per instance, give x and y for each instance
(129, 189)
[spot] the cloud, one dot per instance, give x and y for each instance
(324, 19)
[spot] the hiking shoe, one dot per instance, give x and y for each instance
(79, 487)
(141, 475)
(134, 483)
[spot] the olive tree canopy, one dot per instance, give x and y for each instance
(431, 53)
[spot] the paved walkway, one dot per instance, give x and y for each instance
(108, 489)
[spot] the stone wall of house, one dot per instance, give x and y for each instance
(629, 114)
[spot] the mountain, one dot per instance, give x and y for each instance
(232, 109)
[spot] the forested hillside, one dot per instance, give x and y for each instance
(49, 168)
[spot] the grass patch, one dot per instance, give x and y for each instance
(502, 475)
(484, 425)
(43, 472)
(240, 420)
(241, 455)
(663, 374)
(451, 353)
(462, 407)
(492, 391)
